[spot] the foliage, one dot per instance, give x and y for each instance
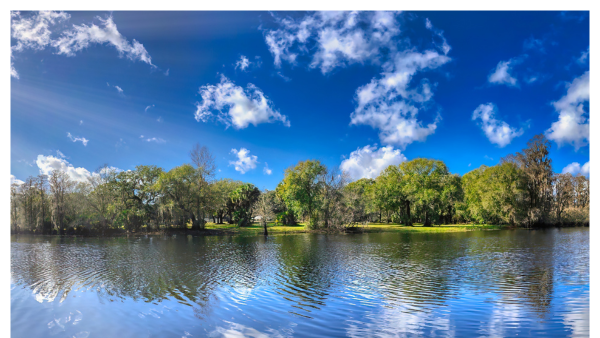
(522, 190)
(243, 199)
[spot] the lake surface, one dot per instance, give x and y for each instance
(510, 283)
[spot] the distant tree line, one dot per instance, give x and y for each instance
(522, 190)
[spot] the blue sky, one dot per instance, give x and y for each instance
(265, 90)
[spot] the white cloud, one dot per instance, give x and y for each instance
(338, 38)
(47, 164)
(444, 46)
(13, 71)
(81, 139)
(154, 139)
(148, 107)
(501, 75)
(584, 58)
(369, 162)
(497, 131)
(245, 161)
(32, 32)
(285, 78)
(576, 168)
(119, 89)
(14, 180)
(35, 30)
(573, 125)
(266, 169)
(159, 119)
(80, 122)
(390, 104)
(534, 44)
(80, 37)
(60, 154)
(242, 63)
(236, 106)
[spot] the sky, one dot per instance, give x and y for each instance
(265, 90)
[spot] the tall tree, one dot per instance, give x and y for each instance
(264, 207)
(60, 186)
(424, 186)
(536, 164)
(243, 199)
(564, 194)
(301, 189)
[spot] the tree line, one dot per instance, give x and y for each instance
(522, 190)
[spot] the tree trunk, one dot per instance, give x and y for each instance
(427, 221)
(195, 222)
(265, 227)
(408, 218)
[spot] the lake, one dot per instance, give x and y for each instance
(509, 283)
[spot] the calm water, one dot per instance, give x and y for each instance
(490, 283)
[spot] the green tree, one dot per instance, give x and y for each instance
(179, 186)
(243, 199)
(301, 189)
(424, 184)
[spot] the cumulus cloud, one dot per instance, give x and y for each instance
(78, 139)
(369, 162)
(35, 31)
(497, 131)
(47, 164)
(242, 63)
(573, 125)
(245, 161)
(575, 168)
(266, 169)
(502, 73)
(14, 180)
(338, 38)
(390, 104)
(236, 106)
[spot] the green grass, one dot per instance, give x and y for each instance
(371, 227)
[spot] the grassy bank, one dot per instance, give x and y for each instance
(256, 229)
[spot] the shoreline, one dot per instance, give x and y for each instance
(255, 230)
